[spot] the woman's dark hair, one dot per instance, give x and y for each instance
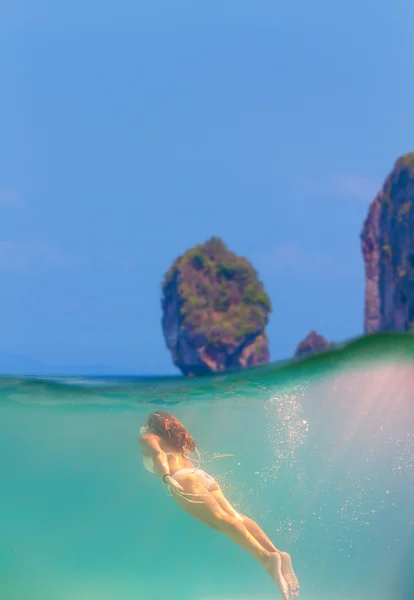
(171, 430)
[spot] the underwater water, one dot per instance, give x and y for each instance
(320, 453)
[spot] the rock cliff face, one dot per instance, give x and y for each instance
(313, 342)
(387, 240)
(215, 311)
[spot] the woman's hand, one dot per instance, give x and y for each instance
(173, 484)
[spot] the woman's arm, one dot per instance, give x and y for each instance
(150, 447)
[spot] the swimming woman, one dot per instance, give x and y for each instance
(165, 446)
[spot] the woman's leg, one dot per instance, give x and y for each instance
(258, 533)
(250, 525)
(212, 514)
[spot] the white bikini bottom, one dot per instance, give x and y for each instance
(209, 480)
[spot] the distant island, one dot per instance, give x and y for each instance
(312, 343)
(387, 241)
(215, 311)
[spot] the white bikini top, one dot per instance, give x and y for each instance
(148, 463)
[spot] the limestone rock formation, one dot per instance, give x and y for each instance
(312, 343)
(387, 241)
(215, 311)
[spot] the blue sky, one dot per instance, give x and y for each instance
(131, 131)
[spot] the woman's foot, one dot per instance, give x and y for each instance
(289, 575)
(273, 566)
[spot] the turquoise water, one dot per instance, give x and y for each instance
(324, 461)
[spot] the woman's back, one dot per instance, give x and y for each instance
(177, 459)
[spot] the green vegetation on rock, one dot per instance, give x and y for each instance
(221, 297)
(407, 160)
(404, 210)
